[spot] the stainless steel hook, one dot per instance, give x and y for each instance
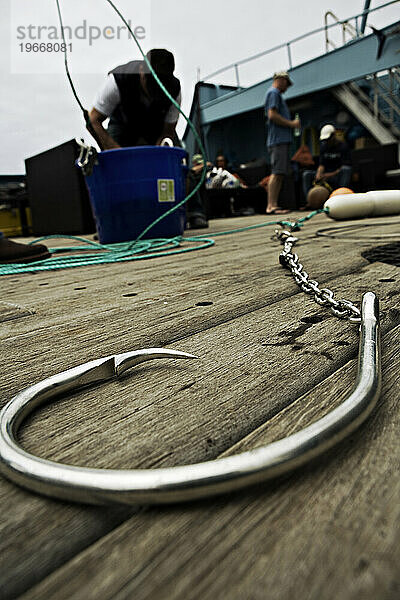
(87, 157)
(175, 484)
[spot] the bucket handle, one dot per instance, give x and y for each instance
(167, 142)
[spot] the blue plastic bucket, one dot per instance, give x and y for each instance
(131, 187)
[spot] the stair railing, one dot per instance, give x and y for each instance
(347, 28)
(382, 93)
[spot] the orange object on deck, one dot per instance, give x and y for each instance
(340, 191)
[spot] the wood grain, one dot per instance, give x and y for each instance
(327, 531)
(268, 356)
(10, 312)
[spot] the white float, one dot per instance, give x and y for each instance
(371, 204)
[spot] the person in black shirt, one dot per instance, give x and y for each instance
(334, 163)
(139, 111)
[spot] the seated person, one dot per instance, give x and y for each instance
(334, 169)
(196, 205)
(197, 164)
(222, 163)
(220, 177)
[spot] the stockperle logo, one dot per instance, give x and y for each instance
(94, 35)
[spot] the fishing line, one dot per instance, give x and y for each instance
(66, 62)
(345, 232)
(85, 112)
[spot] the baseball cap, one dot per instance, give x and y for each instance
(162, 61)
(283, 74)
(197, 160)
(326, 132)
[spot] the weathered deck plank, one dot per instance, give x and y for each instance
(10, 312)
(245, 339)
(327, 531)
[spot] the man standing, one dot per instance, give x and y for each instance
(139, 111)
(280, 135)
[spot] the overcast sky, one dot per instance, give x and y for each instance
(38, 110)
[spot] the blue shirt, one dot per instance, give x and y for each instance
(276, 133)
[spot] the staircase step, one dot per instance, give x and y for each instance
(362, 111)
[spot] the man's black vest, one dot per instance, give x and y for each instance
(133, 118)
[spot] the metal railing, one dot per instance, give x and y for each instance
(383, 102)
(288, 45)
(346, 28)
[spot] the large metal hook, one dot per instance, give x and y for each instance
(165, 485)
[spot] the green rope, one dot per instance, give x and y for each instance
(126, 251)
(105, 255)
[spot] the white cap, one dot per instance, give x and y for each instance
(326, 132)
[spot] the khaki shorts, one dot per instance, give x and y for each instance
(279, 158)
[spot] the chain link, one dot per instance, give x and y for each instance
(343, 309)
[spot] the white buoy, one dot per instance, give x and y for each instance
(371, 204)
(386, 202)
(349, 206)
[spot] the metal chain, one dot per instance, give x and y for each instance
(343, 309)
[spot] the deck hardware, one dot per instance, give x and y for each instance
(344, 309)
(181, 483)
(87, 158)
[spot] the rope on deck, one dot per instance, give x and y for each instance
(97, 254)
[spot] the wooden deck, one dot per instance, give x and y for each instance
(271, 361)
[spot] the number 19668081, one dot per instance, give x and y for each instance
(45, 47)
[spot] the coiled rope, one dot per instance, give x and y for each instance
(96, 254)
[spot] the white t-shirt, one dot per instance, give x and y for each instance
(109, 97)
